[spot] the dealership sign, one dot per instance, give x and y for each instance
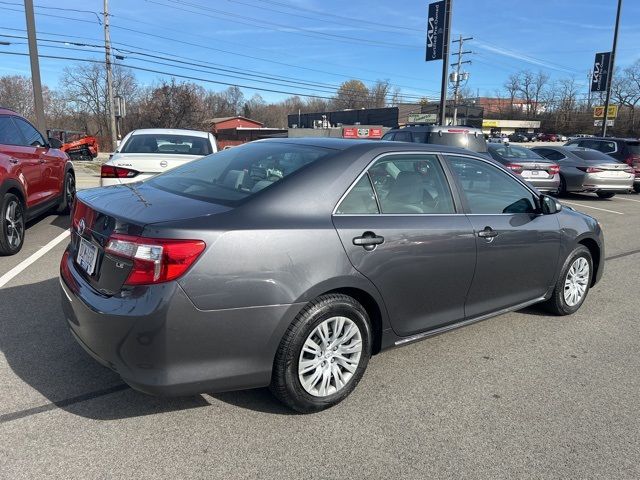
(598, 123)
(436, 31)
(423, 118)
(600, 75)
(354, 132)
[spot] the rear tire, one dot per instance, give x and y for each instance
(323, 354)
(562, 189)
(13, 225)
(573, 284)
(605, 194)
(636, 188)
(68, 194)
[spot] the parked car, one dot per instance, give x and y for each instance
(147, 152)
(35, 177)
(289, 262)
(580, 135)
(561, 138)
(463, 137)
(498, 138)
(518, 137)
(538, 171)
(586, 170)
(625, 150)
(548, 137)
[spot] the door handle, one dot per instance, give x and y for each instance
(488, 233)
(13, 160)
(369, 241)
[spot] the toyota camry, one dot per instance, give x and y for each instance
(289, 262)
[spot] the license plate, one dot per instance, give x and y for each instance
(535, 173)
(614, 174)
(87, 256)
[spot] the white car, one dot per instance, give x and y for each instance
(148, 152)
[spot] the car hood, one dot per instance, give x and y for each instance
(143, 204)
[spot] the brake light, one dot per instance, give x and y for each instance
(629, 170)
(155, 260)
(110, 171)
(514, 167)
(633, 161)
(590, 169)
(554, 169)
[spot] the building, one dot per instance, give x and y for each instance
(508, 127)
(504, 106)
(232, 131)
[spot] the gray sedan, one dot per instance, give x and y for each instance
(538, 171)
(290, 262)
(586, 170)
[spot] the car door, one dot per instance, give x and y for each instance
(518, 247)
(401, 229)
(25, 158)
(51, 165)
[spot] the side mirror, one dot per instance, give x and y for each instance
(550, 205)
(55, 143)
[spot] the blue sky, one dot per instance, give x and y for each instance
(329, 41)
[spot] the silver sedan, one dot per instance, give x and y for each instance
(586, 170)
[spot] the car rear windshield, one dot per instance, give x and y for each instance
(232, 176)
(634, 147)
(461, 140)
(594, 155)
(167, 144)
(512, 152)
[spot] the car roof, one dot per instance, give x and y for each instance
(6, 111)
(610, 139)
(170, 131)
(364, 145)
(437, 128)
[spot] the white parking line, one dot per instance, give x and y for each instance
(595, 208)
(11, 274)
(618, 197)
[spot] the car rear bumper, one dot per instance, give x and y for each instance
(546, 184)
(594, 182)
(160, 343)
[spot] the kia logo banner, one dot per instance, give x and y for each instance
(436, 31)
(600, 75)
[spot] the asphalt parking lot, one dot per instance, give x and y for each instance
(520, 395)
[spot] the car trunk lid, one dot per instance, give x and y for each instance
(150, 163)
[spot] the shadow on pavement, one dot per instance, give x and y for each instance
(39, 349)
(259, 400)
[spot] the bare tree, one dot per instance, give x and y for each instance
(378, 94)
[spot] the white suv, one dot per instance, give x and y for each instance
(148, 152)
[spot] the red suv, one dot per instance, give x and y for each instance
(35, 176)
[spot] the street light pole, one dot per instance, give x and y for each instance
(611, 67)
(445, 62)
(38, 103)
(107, 49)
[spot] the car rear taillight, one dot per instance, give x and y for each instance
(633, 161)
(155, 260)
(514, 167)
(554, 169)
(109, 171)
(629, 170)
(590, 169)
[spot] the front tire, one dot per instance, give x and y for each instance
(605, 194)
(323, 354)
(573, 283)
(13, 225)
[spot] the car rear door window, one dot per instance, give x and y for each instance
(403, 137)
(489, 190)
(388, 136)
(9, 133)
(32, 137)
(603, 146)
(550, 154)
(411, 184)
(360, 200)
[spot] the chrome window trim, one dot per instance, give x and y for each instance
(366, 171)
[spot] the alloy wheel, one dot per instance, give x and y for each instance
(14, 224)
(70, 190)
(330, 356)
(576, 281)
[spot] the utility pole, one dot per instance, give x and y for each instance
(456, 77)
(107, 49)
(38, 103)
(611, 67)
(445, 62)
(589, 77)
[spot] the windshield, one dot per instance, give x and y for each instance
(234, 175)
(510, 151)
(167, 144)
(460, 140)
(634, 147)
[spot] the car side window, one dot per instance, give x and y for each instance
(606, 147)
(489, 190)
(550, 154)
(9, 133)
(403, 137)
(388, 136)
(31, 135)
(360, 199)
(411, 183)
